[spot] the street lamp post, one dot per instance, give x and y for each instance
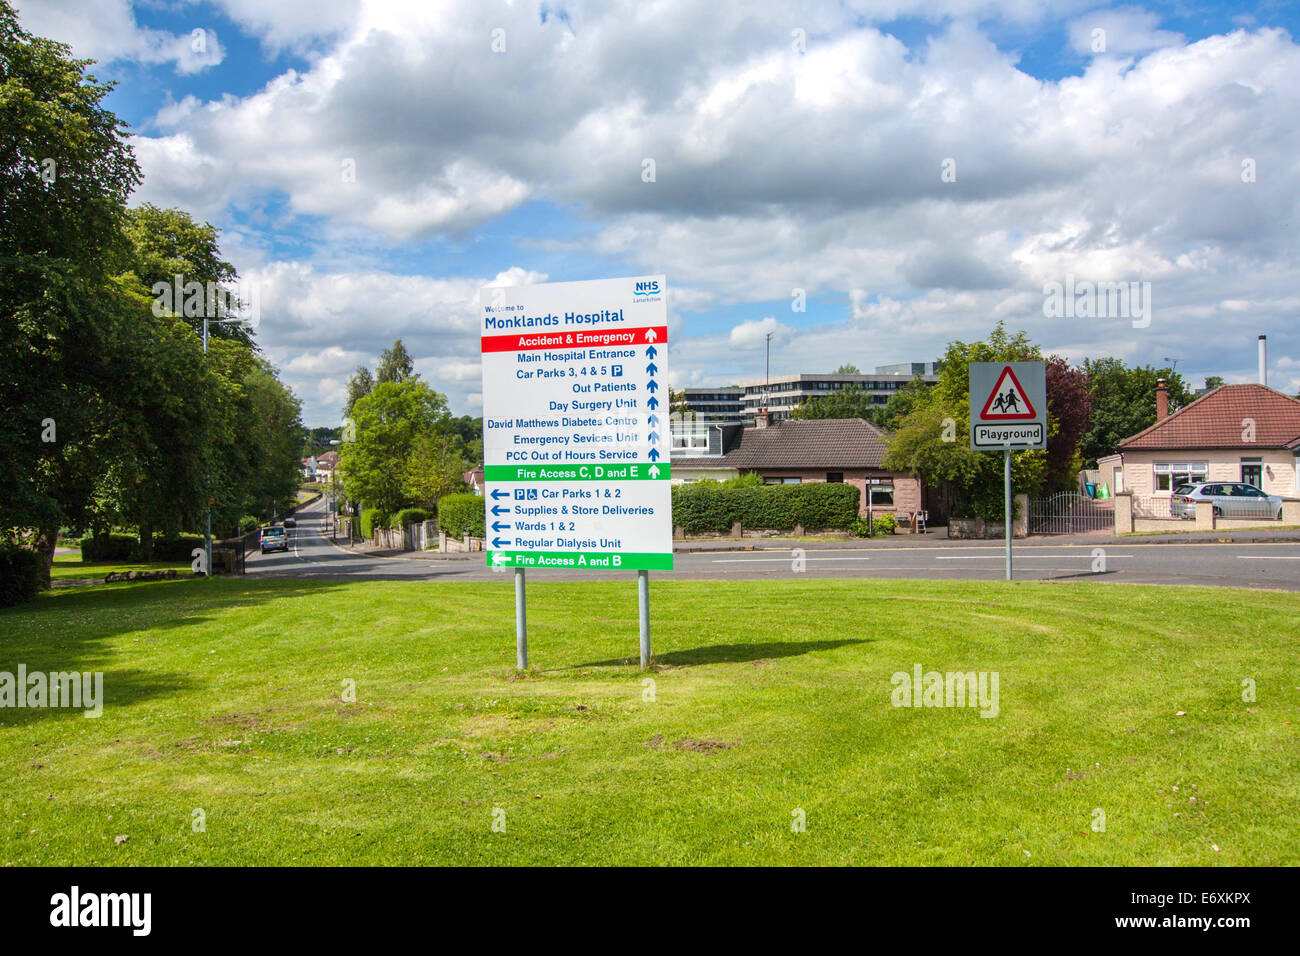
(207, 503)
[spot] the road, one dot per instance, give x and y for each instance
(1263, 565)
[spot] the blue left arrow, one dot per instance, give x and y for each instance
(498, 494)
(497, 511)
(498, 525)
(498, 542)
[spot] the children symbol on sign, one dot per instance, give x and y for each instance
(1007, 402)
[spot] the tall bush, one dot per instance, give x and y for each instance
(462, 514)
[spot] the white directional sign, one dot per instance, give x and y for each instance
(1008, 405)
(575, 425)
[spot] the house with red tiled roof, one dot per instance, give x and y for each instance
(1246, 433)
(793, 451)
(326, 465)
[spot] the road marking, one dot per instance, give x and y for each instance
(778, 560)
(1269, 557)
(1019, 555)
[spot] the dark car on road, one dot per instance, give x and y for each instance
(290, 523)
(274, 539)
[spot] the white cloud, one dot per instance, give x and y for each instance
(1120, 31)
(106, 30)
(753, 333)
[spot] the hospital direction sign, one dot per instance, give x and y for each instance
(575, 425)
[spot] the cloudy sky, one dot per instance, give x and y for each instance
(918, 169)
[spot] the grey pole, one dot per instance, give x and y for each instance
(643, 612)
(1006, 479)
(521, 622)
(207, 492)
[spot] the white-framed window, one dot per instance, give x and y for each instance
(881, 491)
(781, 481)
(1170, 474)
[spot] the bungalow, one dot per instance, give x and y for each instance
(1247, 433)
(326, 465)
(793, 451)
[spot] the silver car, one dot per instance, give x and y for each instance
(1231, 499)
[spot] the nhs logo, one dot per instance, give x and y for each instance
(647, 287)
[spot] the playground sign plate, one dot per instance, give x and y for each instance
(1008, 405)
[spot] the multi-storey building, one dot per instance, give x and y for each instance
(782, 395)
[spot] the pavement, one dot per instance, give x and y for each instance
(1254, 559)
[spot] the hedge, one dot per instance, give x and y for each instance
(111, 547)
(126, 547)
(409, 516)
(462, 514)
(711, 506)
(20, 574)
(372, 518)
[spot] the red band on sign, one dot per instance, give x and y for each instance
(581, 338)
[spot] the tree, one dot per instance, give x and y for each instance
(435, 466)
(359, 386)
(388, 421)
(66, 171)
(168, 243)
(1069, 406)
(1124, 403)
(851, 402)
(931, 441)
(395, 365)
(847, 369)
(1213, 381)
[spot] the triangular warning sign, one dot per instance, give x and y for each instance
(1008, 401)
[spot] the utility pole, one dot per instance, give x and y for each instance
(207, 495)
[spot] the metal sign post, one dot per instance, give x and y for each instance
(1006, 482)
(643, 614)
(1008, 411)
(521, 622)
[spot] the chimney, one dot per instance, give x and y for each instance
(760, 418)
(1162, 401)
(1263, 360)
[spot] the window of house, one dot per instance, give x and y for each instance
(835, 476)
(880, 491)
(780, 481)
(1171, 474)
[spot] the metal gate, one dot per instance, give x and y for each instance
(1070, 513)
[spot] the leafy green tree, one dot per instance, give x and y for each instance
(66, 171)
(395, 365)
(388, 421)
(932, 441)
(166, 243)
(359, 386)
(851, 402)
(435, 466)
(847, 369)
(1124, 403)
(1213, 381)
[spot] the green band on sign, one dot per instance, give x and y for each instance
(582, 560)
(625, 471)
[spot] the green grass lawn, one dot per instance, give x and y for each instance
(225, 697)
(70, 567)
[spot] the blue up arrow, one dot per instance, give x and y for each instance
(653, 403)
(653, 420)
(497, 493)
(653, 454)
(652, 369)
(651, 352)
(498, 542)
(497, 510)
(653, 385)
(654, 437)
(497, 525)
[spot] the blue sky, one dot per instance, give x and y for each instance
(782, 164)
